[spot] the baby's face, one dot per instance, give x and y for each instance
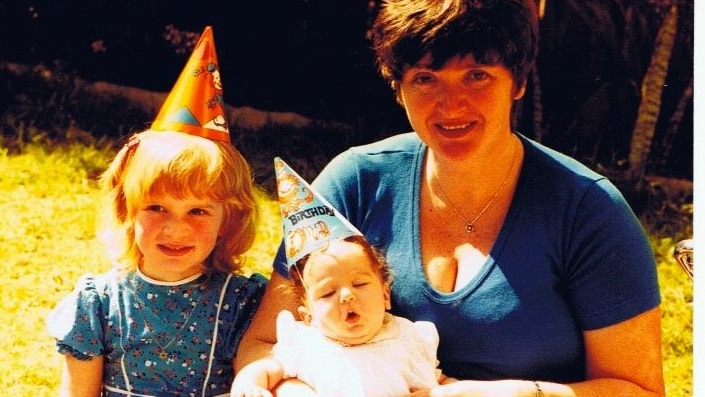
(346, 297)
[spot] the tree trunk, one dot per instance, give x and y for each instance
(652, 88)
(674, 124)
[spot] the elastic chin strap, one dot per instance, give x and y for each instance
(307, 316)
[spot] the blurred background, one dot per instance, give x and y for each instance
(302, 82)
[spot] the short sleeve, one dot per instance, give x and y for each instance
(76, 322)
(610, 258)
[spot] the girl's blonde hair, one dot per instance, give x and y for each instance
(178, 164)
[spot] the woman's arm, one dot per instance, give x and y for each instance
(257, 341)
(81, 378)
(257, 378)
(623, 359)
(261, 335)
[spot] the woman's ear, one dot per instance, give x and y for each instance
(397, 92)
(304, 314)
(520, 91)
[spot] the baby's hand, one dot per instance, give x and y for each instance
(250, 391)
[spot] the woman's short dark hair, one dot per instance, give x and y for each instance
(492, 31)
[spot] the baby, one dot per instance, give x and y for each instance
(346, 344)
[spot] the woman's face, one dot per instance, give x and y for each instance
(460, 106)
(346, 298)
(176, 235)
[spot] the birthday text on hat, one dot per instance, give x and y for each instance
(310, 213)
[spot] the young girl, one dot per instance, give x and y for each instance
(347, 344)
(167, 320)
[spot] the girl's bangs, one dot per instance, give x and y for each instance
(192, 173)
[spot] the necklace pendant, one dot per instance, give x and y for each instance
(469, 228)
(163, 354)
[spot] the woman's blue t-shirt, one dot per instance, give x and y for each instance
(571, 256)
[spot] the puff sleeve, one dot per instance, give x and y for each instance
(77, 321)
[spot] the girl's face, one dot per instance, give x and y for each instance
(345, 297)
(460, 106)
(176, 235)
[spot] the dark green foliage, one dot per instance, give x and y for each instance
(306, 149)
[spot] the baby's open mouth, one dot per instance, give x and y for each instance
(352, 317)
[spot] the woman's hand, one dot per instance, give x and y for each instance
(473, 388)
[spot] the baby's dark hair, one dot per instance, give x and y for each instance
(296, 271)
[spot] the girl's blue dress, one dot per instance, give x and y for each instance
(158, 338)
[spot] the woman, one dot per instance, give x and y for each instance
(534, 269)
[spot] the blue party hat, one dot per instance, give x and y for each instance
(309, 220)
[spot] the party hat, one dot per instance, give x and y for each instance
(195, 104)
(309, 220)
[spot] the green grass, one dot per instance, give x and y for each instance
(49, 206)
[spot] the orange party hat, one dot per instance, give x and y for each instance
(195, 104)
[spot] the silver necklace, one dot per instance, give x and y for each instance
(140, 306)
(470, 223)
